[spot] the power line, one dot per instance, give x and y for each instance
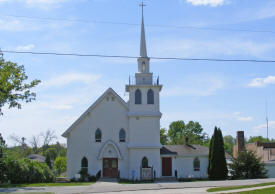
(136, 24)
(135, 57)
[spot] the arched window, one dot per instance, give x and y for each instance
(150, 96)
(196, 164)
(84, 163)
(122, 135)
(143, 66)
(144, 162)
(138, 97)
(98, 135)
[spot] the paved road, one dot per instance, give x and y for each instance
(159, 187)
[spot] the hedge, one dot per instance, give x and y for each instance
(27, 171)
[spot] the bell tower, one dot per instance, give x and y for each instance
(144, 112)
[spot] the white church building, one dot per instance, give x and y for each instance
(118, 137)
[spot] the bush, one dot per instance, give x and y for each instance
(27, 171)
(247, 166)
(84, 175)
(92, 178)
(98, 175)
(60, 165)
(3, 171)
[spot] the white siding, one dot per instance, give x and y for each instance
(184, 166)
(110, 116)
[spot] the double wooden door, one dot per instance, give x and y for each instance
(110, 167)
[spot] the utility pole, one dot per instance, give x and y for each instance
(266, 113)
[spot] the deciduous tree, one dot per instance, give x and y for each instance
(163, 136)
(13, 88)
(178, 130)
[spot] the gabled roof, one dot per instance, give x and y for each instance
(109, 90)
(184, 150)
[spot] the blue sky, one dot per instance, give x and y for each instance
(229, 95)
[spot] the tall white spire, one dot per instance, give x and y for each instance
(143, 50)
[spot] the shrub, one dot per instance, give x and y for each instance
(27, 171)
(84, 174)
(91, 178)
(247, 166)
(98, 175)
(3, 171)
(60, 165)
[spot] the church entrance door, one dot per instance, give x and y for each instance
(166, 167)
(110, 166)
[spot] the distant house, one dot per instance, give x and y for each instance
(36, 157)
(263, 150)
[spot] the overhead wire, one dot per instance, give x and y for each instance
(136, 24)
(135, 57)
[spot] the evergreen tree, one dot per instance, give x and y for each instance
(217, 164)
(210, 151)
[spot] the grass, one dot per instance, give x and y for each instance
(46, 184)
(239, 187)
(270, 190)
(192, 179)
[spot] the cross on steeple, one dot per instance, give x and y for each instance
(143, 51)
(142, 5)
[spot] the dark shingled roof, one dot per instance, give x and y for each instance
(36, 157)
(182, 150)
(266, 144)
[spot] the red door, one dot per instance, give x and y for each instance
(110, 167)
(166, 167)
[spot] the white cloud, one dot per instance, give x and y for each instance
(18, 25)
(212, 3)
(238, 116)
(25, 48)
(196, 86)
(262, 82)
(41, 4)
(258, 128)
(44, 2)
(69, 78)
(211, 48)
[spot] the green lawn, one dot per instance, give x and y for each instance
(239, 187)
(46, 184)
(259, 191)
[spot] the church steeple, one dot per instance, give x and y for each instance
(143, 50)
(143, 60)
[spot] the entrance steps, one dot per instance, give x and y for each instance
(167, 179)
(110, 180)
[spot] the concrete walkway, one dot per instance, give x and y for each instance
(111, 186)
